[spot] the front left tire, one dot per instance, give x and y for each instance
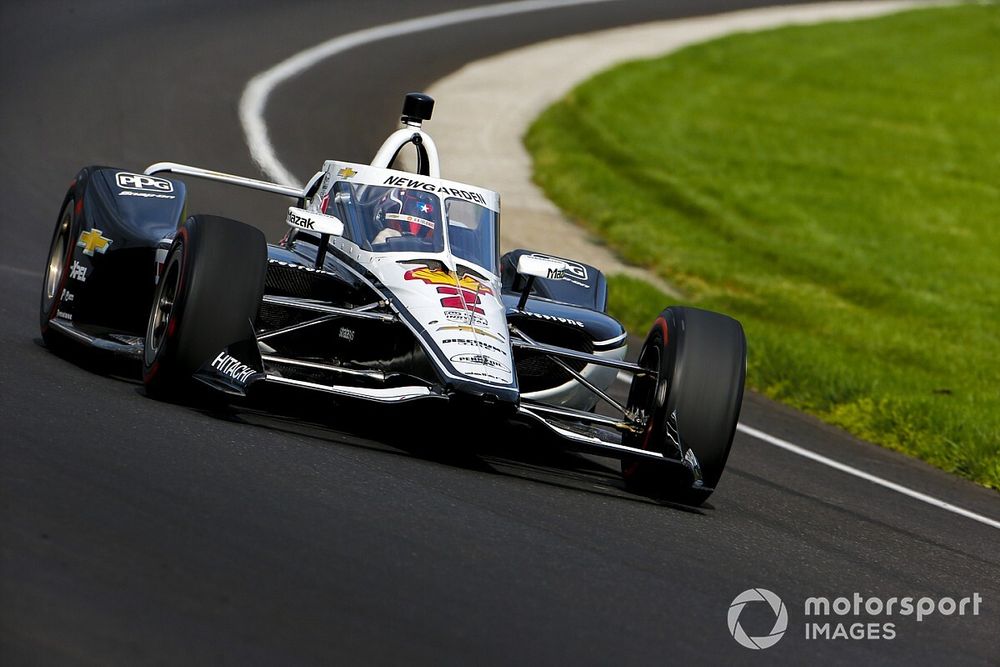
(206, 299)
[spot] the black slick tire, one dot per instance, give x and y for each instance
(700, 359)
(206, 299)
(57, 269)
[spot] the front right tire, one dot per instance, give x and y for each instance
(695, 398)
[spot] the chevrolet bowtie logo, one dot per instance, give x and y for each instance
(93, 240)
(346, 172)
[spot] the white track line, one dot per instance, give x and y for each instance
(626, 378)
(255, 94)
(898, 488)
(254, 101)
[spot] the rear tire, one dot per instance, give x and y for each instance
(206, 299)
(700, 357)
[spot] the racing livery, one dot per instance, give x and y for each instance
(388, 287)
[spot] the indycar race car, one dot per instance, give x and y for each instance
(388, 287)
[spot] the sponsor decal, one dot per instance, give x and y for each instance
(147, 195)
(479, 360)
(233, 367)
(143, 182)
(93, 240)
(441, 277)
(346, 172)
(412, 184)
(128, 340)
(574, 272)
(551, 318)
(403, 217)
(346, 334)
(473, 343)
(459, 293)
(63, 315)
(315, 222)
(78, 271)
(66, 296)
(456, 297)
(475, 330)
(298, 267)
(466, 317)
(488, 376)
(299, 221)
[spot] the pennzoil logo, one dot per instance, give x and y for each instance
(479, 360)
(93, 240)
(459, 293)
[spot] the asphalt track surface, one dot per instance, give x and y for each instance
(137, 532)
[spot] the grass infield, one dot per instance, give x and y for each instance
(836, 188)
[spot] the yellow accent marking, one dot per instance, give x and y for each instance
(439, 277)
(92, 240)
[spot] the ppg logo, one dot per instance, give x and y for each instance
(143, 182)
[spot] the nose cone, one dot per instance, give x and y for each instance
(474, 397)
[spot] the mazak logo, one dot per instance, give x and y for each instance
(143, 182)
(780, 618)
(300, 221)
(574, 271)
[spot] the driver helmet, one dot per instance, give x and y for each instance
(411, 212)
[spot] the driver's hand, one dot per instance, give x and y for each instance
(386, 233)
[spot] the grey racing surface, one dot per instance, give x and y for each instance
(139, 532)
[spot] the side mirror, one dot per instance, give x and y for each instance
(541, 267)
(299, 218)
(535, 266)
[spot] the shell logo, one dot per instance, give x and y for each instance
(439, 277)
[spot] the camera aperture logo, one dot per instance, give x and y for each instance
(780, 618)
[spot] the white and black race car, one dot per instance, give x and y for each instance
(388, 287)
